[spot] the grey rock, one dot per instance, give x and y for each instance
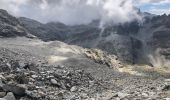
(54, 82)
(166, 98)
(10, 96)
(166, 88)
(2, 94)
(122, 95)
(34, 76)
(1, 84)
(16, 89)
(9, 65)
(167, 80)
(22, 64)
(73, 89)
(35, 94)
(2, 99)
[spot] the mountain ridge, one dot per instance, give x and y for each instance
(128, 41)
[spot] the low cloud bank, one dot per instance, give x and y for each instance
(73, 12)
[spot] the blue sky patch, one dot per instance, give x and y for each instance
(158, 8)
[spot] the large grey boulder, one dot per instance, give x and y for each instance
(16, 89)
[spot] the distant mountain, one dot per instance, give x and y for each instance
(47, 32)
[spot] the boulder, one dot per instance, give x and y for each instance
(2, 94)
(16, 89)
(54, 82)
(9, 96)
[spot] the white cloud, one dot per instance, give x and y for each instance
(73, 11)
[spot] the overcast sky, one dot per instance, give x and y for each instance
(73, 12)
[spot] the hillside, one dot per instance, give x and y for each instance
(134, 42)
(54, 61)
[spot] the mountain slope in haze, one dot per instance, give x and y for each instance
(154, 35)
(47, 32)
(91, 34)
(133, 42)
(10, 26)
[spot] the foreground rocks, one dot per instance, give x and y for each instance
(63, 83)
(51, 84)
(31, 78)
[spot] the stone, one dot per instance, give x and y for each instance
(9, 65)
(166, 88)
(54, 82)
(2, 94)
(16, 89)
(145, 94)
(91, 83)
(2, 77)
(21, 64)
(115, 95)
(2, 99)
(10, 96)
(122, 95)
(21, 79)
(1, 84)
(72, 97)
(84, 96)
(73, 89)
(166, 99)
(35, 94)
(34, 76)
(167, 80)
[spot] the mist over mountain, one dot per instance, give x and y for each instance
(73, 12)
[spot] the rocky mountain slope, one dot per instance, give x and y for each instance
(47, 32)
(10, 26)
(33, 67)
(35, 70)
(25, 62)
(93, 36)
(133, 42)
